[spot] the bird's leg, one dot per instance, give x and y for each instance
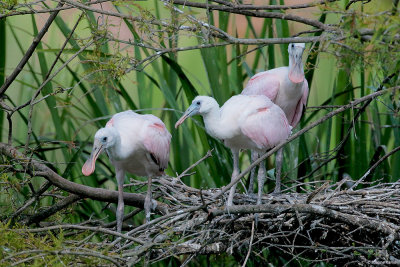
(254, 157)
(120, 207)
(261, 180)
(147, 200)
(278, 171)
(235, 173)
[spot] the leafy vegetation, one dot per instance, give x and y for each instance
(115, 64)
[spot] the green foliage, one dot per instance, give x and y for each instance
(20, 247)
(109, 78)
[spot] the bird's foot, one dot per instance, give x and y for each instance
(276, 192)
(227, 207)
(147, 217)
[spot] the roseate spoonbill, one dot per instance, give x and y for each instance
(287, 88)
(243, 122)
(134, 143)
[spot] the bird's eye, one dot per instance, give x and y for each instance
(292, 45)
(198, 103)
(104, 139)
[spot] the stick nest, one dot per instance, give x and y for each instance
(341, 226)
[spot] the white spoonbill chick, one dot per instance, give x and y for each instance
(287, 88)
(243, 122)
(134, 143)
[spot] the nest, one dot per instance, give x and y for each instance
(329, 224)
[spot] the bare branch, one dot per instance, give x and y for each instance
(29, 52)
(39, 169)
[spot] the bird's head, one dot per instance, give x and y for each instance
(200, 105)
(296, 73)
(103, 139)
(107, 137)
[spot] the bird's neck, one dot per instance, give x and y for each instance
(212, 122)
(292, 64)
(296, 71)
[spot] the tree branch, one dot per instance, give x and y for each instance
(259, 14)
(40, 216)
(361, 221)
(30, 51)
(83, 191)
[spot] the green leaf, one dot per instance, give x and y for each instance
(2, 64)
(47, 89)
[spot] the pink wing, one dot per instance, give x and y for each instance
(263, 83)
(267, 127)
(300, 105)
(157, 141)
(110, 123)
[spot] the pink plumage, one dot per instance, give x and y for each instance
(243, 122)
(285, 86)
(258, 118)
(264, 134)
(145, 143)
(159, 149)
(137, 144)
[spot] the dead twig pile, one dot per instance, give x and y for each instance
(330, 223)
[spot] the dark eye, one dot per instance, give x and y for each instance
(104, 139)
(292, 45)
(198, 103)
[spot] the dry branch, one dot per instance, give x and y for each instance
(259, 14)
(39, 169)
(29, 52)
(337, 226)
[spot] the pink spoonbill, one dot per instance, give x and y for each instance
(287, 88)
(135, 143)
(243, 122)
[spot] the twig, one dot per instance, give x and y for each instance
(372, 168)
(273, 7)
(46, 80)
(259, 14)
(316, 192)
(30, 51)
(47, 10)
(365, 221)
(250, 245)
(206, 156)
(63, 252)
(81, 227)
(40, 216)
(34, 198)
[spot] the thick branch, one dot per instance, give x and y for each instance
(81, 227)
(252, 13)
(40, 216)
(84, 191)
(361, 221)
(273, 7)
